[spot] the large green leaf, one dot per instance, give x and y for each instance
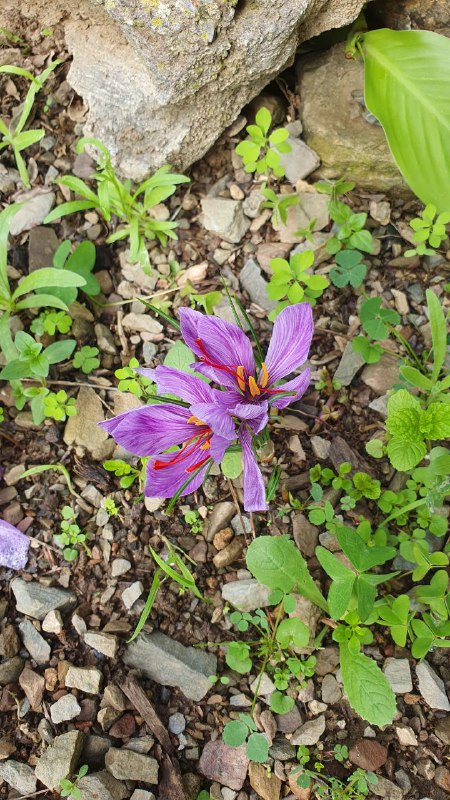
(367, 689)
(407, 87)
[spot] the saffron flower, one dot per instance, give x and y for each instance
(14, 546)
(204, 429)
(214, 418)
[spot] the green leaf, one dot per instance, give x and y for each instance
(235, 733)
(257, 748)
(281, 703)
(362, 240)
(404, 455)
(375, 448)
(410, 70)
(293, 633)
(68, 208)
(370, 352)
(237, 657)
(60, 351)
(231, 464)
(416, 378)
(181, 357)
(438, 331)
(435, 421)
(263, 119)
(45, 277)
(368, 691)
(278, 136)
(276, 562)
(404, 414)
(343, 580)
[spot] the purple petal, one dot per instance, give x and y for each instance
(218, 447)
(13, 546)
(217, 417)
(152, 429)
(256, 414)
(167, 481)
(173, 381)
(254, 490)
(222, 343)
(299, 385)
(290, 342)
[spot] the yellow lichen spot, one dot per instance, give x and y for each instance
(156, 22)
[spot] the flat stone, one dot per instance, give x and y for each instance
(385, 788)
(19, 776)
(398, 673)
(443, 729)
(141, 794)
(171, 664)
(177, 723)
(380, 377)
(300, 162)
(52, 622)
(431, 687)
(241, 524)
(349, 365)
(36, 645)
(132, 593)
(379, 404)
(105, 643)
(9, 642)
(246, 595)
(33, 211)
(331, 692)
(282, 750)
(290, 722)
(10, 670)
(311, 206)
(266, 785)
(306, 535)
(266, 685)
(42, 246)
(224, 764)
(126, 765)
(66, 708)
(368, 754)
(142, 323)
(253, 283)
(33, 685)
(60, 759)
(219, 519)
(224, 217)
(114, 697)
(406, 736)
(327, 661)
(120, 566)
(229, 554)
(124, 727)
(102, 786)
(310, 732)
(36, 600)
(442, 779)
(320, 447)
(86, 679)
(105, 339)
(83, 430)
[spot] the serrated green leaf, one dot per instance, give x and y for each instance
(368, 691)
(404, 455)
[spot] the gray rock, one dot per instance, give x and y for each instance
(380, 377)
(141, 794)
(33, 211)
(246, 595)
(398, 673)
(431, 687)
(102, 786)
(310, 732)
(443, 729)
(349, 365)
(60, 759)
(170, 663)
(42, 246)
(300, 162)
(306, 535)
(10, 670)
(335, 123)
(224, 764)
(406, 736)
(282, 750)
(19, 776)
(241, 527)
(52, 622)
(105, 339)
(224, 217)
(86, 679)
(385, 788)
(142, 323)
(331, 692)
(66, 708)
(379, 404)
(219, 519)
(105, 643)
(177, 723)
(126, 765)
(253, 203)
(264, 687)
(163, 62)
(120, 566)
(83, 429)
(132, 593)
(311, 206)
(36, 600)
(320, 447)
(36, 645)
(254, 284)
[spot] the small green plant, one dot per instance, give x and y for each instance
(243, 730)
(2, 414)
(80, 262)
(326, 787)
(127, 474)
(279, 204)
(349, 269)
(37, 470)
(194, 521)
(131, 381)
(411, 426)
(15, 136)
(429, 231)
(340, 752)
(110, 507)
(59, 406)
(71, 536)
(116, 198)
(261, 151)
(87, 359)
(334, 188)
(69, 788)
(295, 280)
(350, 234)
(51, 322)
(377, 322)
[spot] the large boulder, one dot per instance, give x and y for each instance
(432, 15)
(336, 125)
(164, 78)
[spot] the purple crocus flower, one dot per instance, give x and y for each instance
(204, 430)
(14, 546)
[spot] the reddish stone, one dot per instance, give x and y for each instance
(368, 754)
(224, 764)
(442, 779)
(124, 727)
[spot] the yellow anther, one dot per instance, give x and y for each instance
(195, 421)
(264, 379)
(253, 386)
(240, 374)
(205, 446)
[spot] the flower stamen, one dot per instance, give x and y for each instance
(253, 386)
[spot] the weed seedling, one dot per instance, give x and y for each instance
(71, 536)
(261, 151)
(69, 788)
